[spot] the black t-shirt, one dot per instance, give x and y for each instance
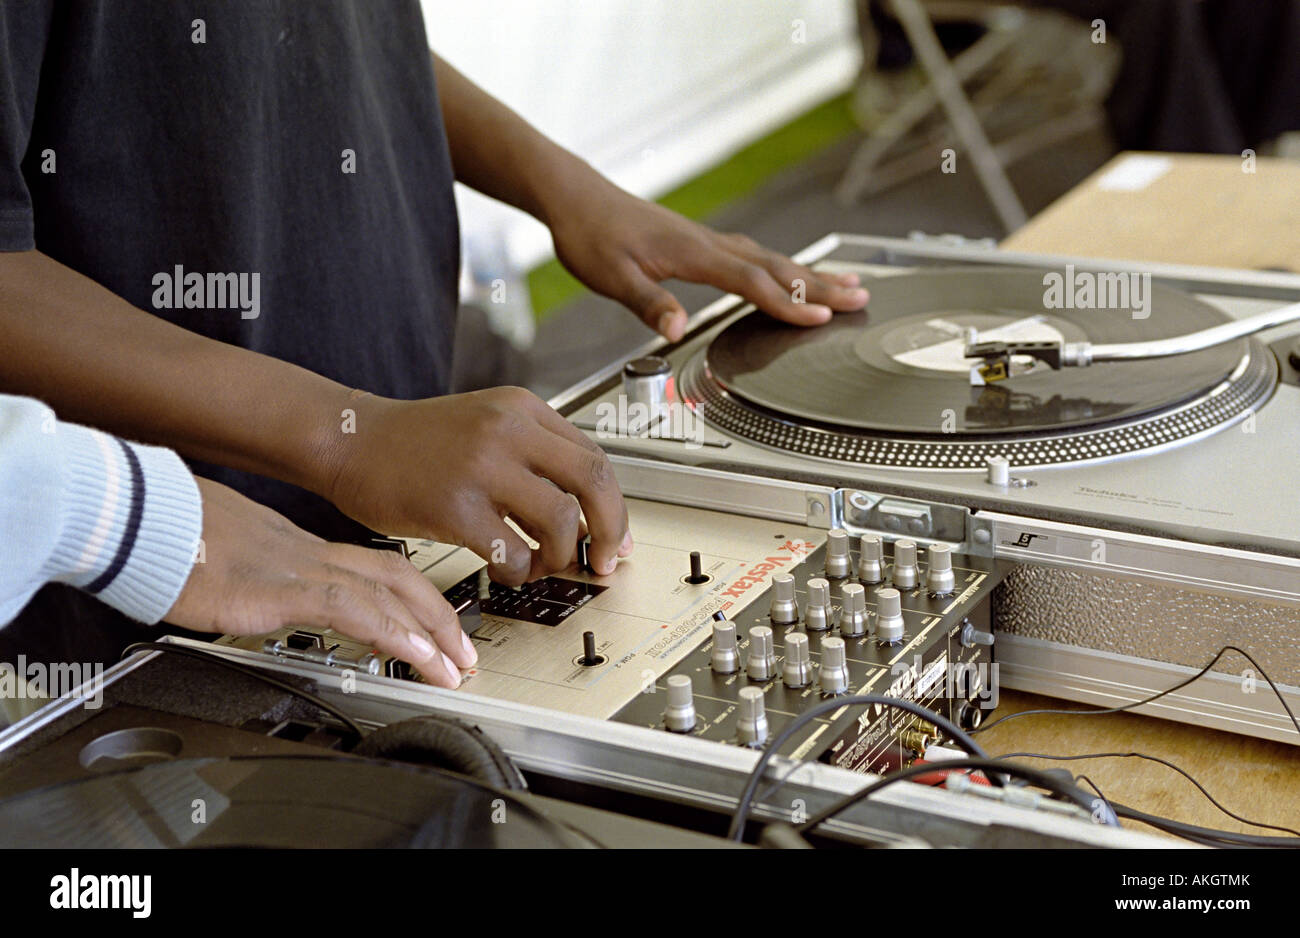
(297, 145)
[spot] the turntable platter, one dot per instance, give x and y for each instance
(889, 385)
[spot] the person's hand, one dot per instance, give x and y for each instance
(259, 572)
(623, 247)
(454, 468)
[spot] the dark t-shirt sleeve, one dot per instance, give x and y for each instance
(24, 30)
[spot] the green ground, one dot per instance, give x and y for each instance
(550, 285)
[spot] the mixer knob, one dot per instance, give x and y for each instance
(871, 559)
(697, 574)
(762, 661)
(834, 674)
(819, 616)
(679, 715)
(838, 562)
(853, 618)
(905, 575)
(889, 616)
(751, 722)
(726, 656)
(940, 577)
(784, 610)
(798, 664)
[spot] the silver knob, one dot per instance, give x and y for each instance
(751, 722)
(999, 471)
(645, 383)
(725, 657)
(679, 715)
(889, 616)
(819, 615)
(853, 617)
(784, 609)
(834, 674)
(940, 577)
(798, 664)
(905, 573)
(838, 562)
(871, 559)
(761, 661)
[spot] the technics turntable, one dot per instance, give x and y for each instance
(1122, 432)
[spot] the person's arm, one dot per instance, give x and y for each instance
(116, 519)
(403, 467)
(619, 245)
(99, 360)
(123, 522)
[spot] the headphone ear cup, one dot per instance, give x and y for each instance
(444, 743)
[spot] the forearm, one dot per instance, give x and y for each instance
(98, 360)
(497, 152)
(77, 506)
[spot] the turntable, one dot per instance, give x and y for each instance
(1133, 451)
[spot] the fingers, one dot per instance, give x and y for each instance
(550, 517)
(508, 556)
(433, 613)
(837, 291)
(656, 306)
(349, 604)
(584, 470)
(587, 473)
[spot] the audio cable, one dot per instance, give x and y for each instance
(1179, 686)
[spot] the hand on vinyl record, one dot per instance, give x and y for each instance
(623, 247)
(259, 572)
(454, 468)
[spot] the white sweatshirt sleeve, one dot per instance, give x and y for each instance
(119, 520)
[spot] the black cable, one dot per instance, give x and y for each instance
(955, 732)
(1197, 676)
(1034, 776)
(1204, 835)
(1142, 755)
(318, 702)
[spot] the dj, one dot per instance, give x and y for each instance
(306, 151)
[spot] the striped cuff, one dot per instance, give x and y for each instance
(131, 522)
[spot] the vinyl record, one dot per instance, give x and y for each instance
(896, 368)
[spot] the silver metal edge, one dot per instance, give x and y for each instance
(646, 761)
(719, 490)
(1221, 281)
(44, 716)
(1220, 570)
(1107, 679)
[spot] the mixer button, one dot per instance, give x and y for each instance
(905, 573)
(839, 563)
(819, 616)
(762, 660)
(679, 714)
(833, 677)
(725, 657)
(784, 609)
(871, 559)
(939, 578)
(889, 617)
(751, 724)
(798, 663)
(853, 617)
